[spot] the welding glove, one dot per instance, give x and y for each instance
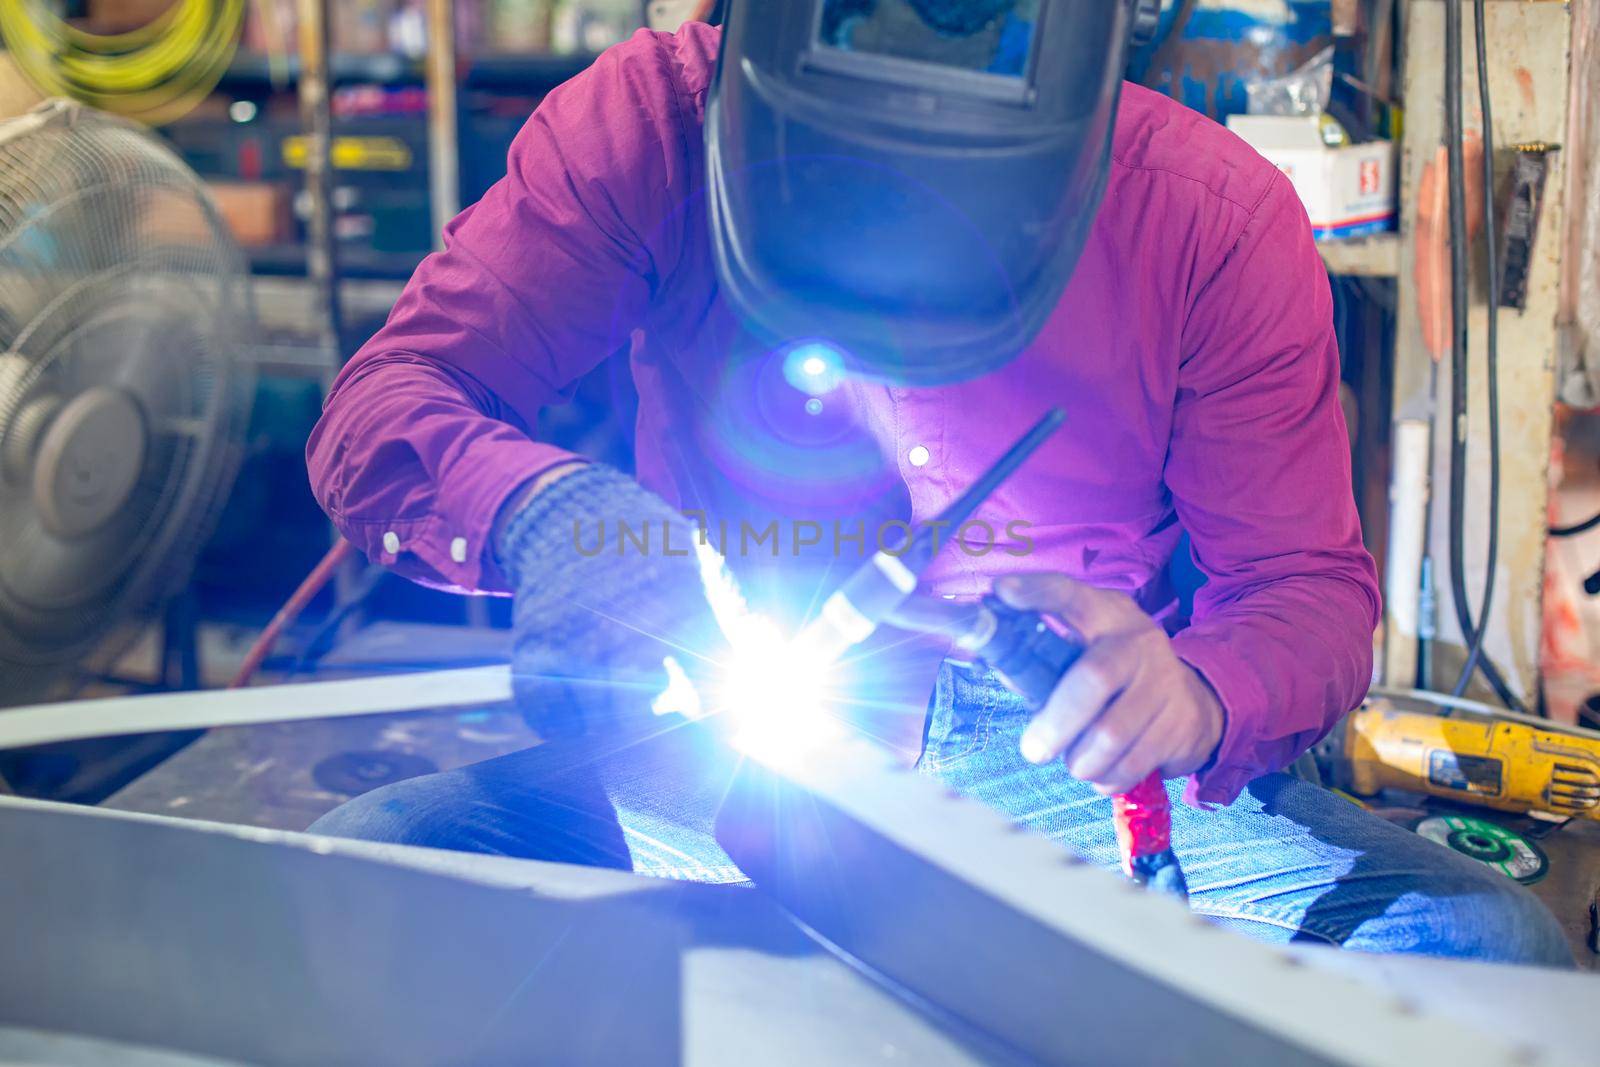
(597, 615)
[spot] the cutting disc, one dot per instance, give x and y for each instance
(1505, 850)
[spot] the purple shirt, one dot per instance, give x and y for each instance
(1193, 352)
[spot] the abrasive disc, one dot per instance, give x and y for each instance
(1505, 850)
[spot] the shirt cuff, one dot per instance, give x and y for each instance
(451, 546)
(1244, 706)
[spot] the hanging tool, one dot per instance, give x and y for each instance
(1028, 654)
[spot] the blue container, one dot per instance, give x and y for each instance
(1228, 44)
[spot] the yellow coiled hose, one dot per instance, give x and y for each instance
(154, 73)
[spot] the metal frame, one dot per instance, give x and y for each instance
(959, 934)
(1069, 963)
(263, 947)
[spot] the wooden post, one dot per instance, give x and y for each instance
(444, 181)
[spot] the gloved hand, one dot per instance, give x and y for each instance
(592, 625)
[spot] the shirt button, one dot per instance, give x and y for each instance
(919, 456)
(458, 550)
(391, 542)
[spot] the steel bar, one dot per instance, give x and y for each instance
(264, 947)
(157, 712)
(947, 899)
(991, 929)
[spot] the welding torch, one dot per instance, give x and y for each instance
(1028, 654)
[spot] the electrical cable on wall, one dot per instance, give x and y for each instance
(1472, 632)
(1475, 655)
(155, 73)
(1576, 528)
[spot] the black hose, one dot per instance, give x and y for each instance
(1455, 145)
(1492, 355)
(1577, 528)
(1455, 157)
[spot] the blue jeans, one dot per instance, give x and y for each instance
(1286, 861)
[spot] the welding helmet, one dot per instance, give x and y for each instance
(910, 182)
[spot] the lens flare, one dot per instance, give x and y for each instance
(814, 367)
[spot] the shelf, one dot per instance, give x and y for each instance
(1377, 256)
(539, 72)
(286, 305)
(289, 260)
(534, 72)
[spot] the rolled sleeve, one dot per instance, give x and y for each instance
(1259, 469)
(1244, 701)
(428, 430)
(413, 471)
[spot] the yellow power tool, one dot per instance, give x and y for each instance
(1467, 752)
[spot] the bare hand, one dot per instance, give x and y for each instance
(1129, 706)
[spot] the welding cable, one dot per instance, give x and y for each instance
(322, 639)
(320, 575)
(1455, 149)
(1492, 353)
(1576, 528)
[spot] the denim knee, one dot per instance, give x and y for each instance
(411, 812)
(1514, 926)
(1483, 915)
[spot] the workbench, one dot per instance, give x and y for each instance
(203, 943)
(182, 939)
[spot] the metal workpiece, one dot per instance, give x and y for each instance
(892, 921)
(76, 720)
(257, 946)
(949, 902)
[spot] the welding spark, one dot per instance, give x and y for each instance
(768, 693)
(770, 697)
(776, 695)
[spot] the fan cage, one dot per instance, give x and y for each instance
(116, 273)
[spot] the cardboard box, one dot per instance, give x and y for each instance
(258, 213)
(1348, 191)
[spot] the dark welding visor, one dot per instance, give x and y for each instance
(909, 181)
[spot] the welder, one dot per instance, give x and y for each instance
(852, 248)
